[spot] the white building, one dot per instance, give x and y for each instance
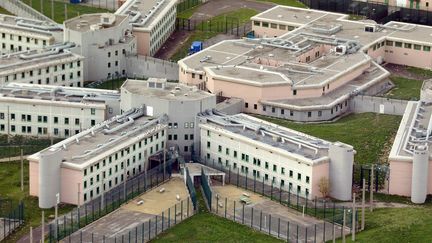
(97, 159)
(182, 103)
(52, 111)
(53, 66)
(105, 40)
(276, 155)
(153, 22)
(20, 34)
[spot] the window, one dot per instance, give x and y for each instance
(219, 148)
(273, 26)
(77, 121)
(265, 24)
(246, 105)
(257, 23)
(282, 27)
(307, 179)
(389, 43)
(417, 47)
(299, 176)
(55, 120)
(255, 106)
(291, 173)
(398, 44)
(235, 154)
(426, 48)
(274, 168)
(408, 45)
(93, 111)
(294, 92)
(309, 114)
(266, 165)
(227, 151)
(319, 113)
(282, 170)
(66, 121)
(208, 144)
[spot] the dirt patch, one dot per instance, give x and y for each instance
(401, 71)
(174, 42)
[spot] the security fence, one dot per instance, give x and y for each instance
(187, 4)
(191, 188)
(11, 216)
(229, 25)
(142, 232)
(206, 187)
(319, 208)
(108, 202)
(380, 176)
(278, 226)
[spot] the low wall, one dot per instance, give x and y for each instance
(360, 104)
(144, 67)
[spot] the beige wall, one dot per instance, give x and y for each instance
(143, 42)
(34, 178)
(69, 186)
(401, 176)
(410, 57)
(261, 31)
(318, 172)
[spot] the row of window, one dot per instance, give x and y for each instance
(44, 119)
(40, 130)
(274, 26)
(174, 125)
(20, 38)
(256, 162)
(256, 174)
(186, 137)
(402, 45)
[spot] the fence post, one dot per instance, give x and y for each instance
(252, 209)
(306, 235)
(289, 197)
(280, 194)
(217, 205)
(271, 192)
(175, 214)
(297, 234)
(288, 230)
(278, 227)
(149, 229)
(243, 213)
(226, 205)
(162, 221)
(269, 224)
(263, 187)
(315, 206)
(254, 182)
(315, 234)
(181, 210)
(156, 228)
(234, 210)
(260, 225)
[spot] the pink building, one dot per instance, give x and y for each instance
(86, 165)
(305, 65)
(410, 163)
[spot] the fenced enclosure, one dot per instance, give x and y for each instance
(319, 208)
(229, 25)
(144, 231)
(277, 226)
(206, 187)
(108, 202)
(11, 216)
(379, 180)
(187, 4)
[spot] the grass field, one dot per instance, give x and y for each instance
(73, 10)
(406, 89)
(390, 225)
(292, 3)
(421, 72)
(369, 133)
(207, 227)
(10, 188)
(243, 15)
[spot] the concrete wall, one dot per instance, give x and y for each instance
(143, 66)
(230, 106)
(360, 104)
(21, 9)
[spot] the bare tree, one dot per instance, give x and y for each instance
(324, 186)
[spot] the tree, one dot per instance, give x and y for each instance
(324, 186)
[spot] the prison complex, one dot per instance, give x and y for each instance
(306, 65)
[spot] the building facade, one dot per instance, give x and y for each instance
(182, 103)
(82, 167)
(53, 66)
(52, 111)
(21, 34)
(105, 40)
(278, 156)
(153, 22)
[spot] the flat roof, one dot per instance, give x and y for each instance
(94, 22)
(106, 138)
(162, 89)
(27, 26)
(57, 94)
(37, 57)
(144, 14)
(257, 130)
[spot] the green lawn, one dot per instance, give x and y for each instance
(73, 10)
(397, 225)
(369, 133)
(421, 72)
(406, 89)
(4, 11)
(207, 227)
(110, 84)
(292, 3)
(10, 188)
(205, 30)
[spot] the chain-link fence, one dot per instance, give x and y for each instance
(187, 4)
(11, 216)
(320, 208)
(191, 188)
(109, 201)
(229, 25)
(144, 231)
(277, 226)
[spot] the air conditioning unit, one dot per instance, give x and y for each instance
(370, 29)
(340, 50)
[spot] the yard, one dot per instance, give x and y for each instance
(292, 3)
(207, 227)
(10, 188)
(209, 28)
(406, 89)
(73, 10)
(369, 133)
